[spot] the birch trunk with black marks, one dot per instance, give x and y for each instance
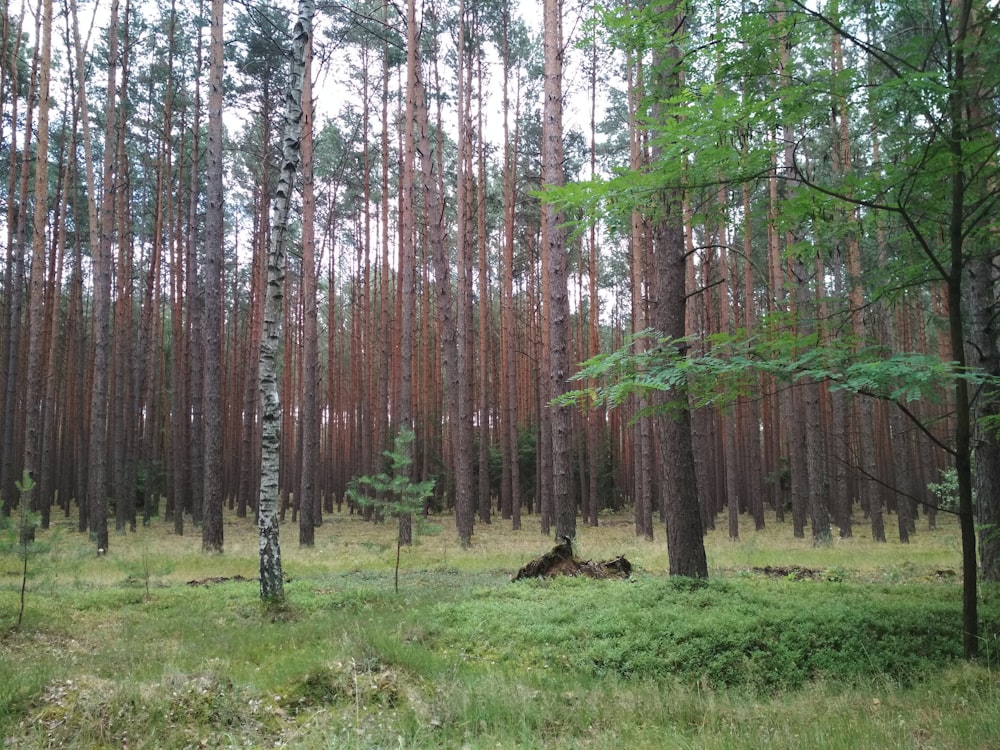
(271, 582)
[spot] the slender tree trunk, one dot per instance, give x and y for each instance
(752, 406)
(641, 432)
(250, 459)
(123, 405)
(416, 113)
(150, 322)
(595, 418)
(54, 359)
(101, 252)
(436, 238)
(195, 319)
(815, 482)
(793, 405)
(486, 378)
(17, 220)
(463, 432)
(271, 577)
(308, 492)
(956, 139)
(841, 165)
(33, 406)
(563, 505)
(179, 474)
(72, 478)
(511, 491)
(780, 399)
(385, 327)
(869, 495)
(77, 335)
(212, 530)
(728, 420)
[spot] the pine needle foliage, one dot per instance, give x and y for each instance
(20, 537)
(393, 492)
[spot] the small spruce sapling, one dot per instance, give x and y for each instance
(393, 491)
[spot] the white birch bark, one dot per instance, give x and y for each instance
(271, 580)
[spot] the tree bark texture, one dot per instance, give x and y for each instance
(685, 543)
(34, 412)
(271, 577)
(564, 507)
(307, 496)
(211, 531)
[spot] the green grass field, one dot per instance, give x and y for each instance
(858, 645)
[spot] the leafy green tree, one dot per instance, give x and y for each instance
(924, 72)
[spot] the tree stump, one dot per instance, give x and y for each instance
(560, 561)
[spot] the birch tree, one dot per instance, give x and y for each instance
(271, 580)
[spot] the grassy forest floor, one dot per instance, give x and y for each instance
(855, 645)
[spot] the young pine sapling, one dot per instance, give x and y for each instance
(393, 491)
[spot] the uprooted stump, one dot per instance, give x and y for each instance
(792, 573)
(216, 579)
(560, 561)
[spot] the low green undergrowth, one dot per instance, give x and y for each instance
(743, 633)
(179, 653)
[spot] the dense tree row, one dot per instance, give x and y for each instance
(810, 187)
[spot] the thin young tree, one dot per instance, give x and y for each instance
(271, 577)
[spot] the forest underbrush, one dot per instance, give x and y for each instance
(158, 645)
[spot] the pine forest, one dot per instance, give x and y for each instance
(538, 263)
